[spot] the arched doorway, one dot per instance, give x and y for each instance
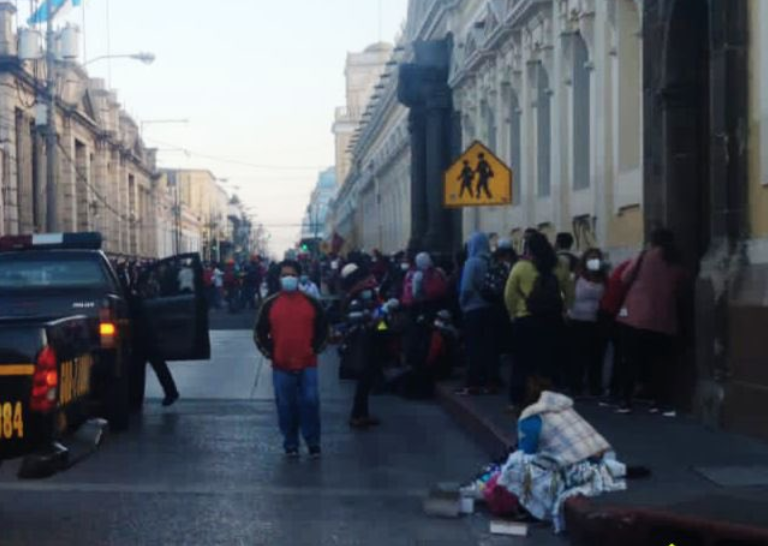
(685, 153)
(685, 97)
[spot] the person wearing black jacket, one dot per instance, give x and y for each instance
(145, 349)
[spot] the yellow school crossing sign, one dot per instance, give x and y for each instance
(477, 179)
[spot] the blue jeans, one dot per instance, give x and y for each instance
(298, 406)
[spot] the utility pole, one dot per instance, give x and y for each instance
(51, 210)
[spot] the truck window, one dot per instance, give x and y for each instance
(36, 272)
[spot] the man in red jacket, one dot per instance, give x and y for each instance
(291, 331)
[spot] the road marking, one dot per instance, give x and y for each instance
(7, 370)
(212, 489)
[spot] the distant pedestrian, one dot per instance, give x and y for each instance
(536, 297)
(650, 314)
(218, 285)
(504, 258)
(564, 248)
(587, 335)
(478, 316)
(291, 330)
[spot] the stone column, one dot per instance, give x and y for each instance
(438, 236)
(419, 219)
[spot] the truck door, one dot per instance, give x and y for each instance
(172, 299)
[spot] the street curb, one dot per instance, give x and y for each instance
(491, 438)
(590, 525)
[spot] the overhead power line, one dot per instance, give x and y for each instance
(235, 161)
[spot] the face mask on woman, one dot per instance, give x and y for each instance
(594, 265)
(289, 284)
(366, 295)
(404, 267)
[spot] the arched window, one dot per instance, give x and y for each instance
(581, 114)
(543, 133)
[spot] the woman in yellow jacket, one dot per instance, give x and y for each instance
(538, 292)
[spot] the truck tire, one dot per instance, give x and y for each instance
(118, 404)
(138, 380)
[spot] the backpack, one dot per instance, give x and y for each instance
(546, 299)
(495, 282)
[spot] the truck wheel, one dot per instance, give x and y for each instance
(118, 404)
(138, 380)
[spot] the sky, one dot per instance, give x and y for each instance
(257, 80)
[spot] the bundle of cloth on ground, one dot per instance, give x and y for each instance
(559, 456)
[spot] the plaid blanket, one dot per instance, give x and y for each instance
(542, 486)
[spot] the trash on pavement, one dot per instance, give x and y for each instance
(509, 528)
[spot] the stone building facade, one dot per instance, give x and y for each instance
(616, 116)
(106, 177)
(361, 74)
(555, 89)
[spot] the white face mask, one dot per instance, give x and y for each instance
(405, 266)
(594, 265)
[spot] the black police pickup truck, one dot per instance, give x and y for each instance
(66, 335)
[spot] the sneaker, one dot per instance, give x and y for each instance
(608, 403)
(373, 421)
(315, 452)
(669, 414)
(624, 410)
(654, 410)
(292, 453)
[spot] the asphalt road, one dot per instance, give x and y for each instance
(210, 470)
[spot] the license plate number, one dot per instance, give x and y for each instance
(11, 421)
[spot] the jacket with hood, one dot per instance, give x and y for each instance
(551, 428)
(473, 276)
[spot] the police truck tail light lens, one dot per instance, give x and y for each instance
(107, 328)
(45, 382)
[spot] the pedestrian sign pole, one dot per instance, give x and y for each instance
(477, 179)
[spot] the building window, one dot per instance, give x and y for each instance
(543, 132)
(581, 114)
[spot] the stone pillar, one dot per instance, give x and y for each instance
(423, 87)
(417, 127)
(438, 237)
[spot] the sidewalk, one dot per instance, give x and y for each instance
(697, 472)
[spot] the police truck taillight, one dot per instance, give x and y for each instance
(45, 382)
(107, 328)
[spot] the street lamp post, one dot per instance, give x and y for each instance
(144, 57)
(51, 211)
(51, 137)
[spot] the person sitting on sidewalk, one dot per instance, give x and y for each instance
(559, 456)
(291, 330)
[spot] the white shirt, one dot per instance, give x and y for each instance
(218, 278)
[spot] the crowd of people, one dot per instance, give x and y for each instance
(500, 318)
